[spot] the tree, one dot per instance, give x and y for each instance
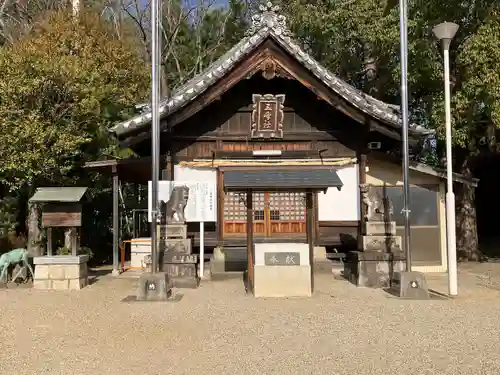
(63, 86)
(194, 34)
(359, 40)
(64, 83)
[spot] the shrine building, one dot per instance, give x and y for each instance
(267, 117)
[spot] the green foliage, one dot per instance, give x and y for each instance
(81, 251)
(63, 85)
(196, 36)
(350, 37)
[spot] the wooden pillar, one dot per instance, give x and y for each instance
(250, 255)
(170, 167)
(220, 208)
(74, 242)
(49, 242)
(116, 223)
(310, 230)
(362, 209)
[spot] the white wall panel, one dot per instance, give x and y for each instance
(341, 205)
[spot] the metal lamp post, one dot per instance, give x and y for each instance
(445, 32)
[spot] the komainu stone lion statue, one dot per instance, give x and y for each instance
(378, 208)
(173, 209)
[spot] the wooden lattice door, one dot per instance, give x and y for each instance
(276, 213)
(235, 214)
(287, 213)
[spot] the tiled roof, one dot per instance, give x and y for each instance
(297, 179)
(266, 24)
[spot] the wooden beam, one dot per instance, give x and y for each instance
(49, 241)
(240, 136)
(310, 230)
(220, 208)
(250, 272)
(116, 222)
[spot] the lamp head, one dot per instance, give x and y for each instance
(445, 31)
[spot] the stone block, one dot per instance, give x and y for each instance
(61, 259)
(42, 284)
(77, 284)
(176, 245)
(380, 228)
(41, 271)
(180, 270)
(60, 284)
(172, 231)
(75, 271)
(173, 257)
(410, 285)
(300, 251)
(372, 268)
(57, 271)
(153, 287)
(319, 253)
(282, 281)
(385, 244)
(61, 272)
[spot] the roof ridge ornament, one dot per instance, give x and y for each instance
(268, 17)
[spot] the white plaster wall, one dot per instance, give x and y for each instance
(343, 205)
(195, 174)
(381, 173)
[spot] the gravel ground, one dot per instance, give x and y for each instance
(217, 329)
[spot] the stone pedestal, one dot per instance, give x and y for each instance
(410, 285)
(182, 269)
(176, 256)
(282, 270)
(381, 236)
(373, 269)
(61, 272)
(153, 287)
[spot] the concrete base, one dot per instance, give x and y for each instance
(410, 285)
(61, 272)
(372, 269)
(279, 281)
(182, 275)
(153, 287)
(319, 253)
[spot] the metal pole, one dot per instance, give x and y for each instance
(450, 196)
(403, 19)
(155, 128)
(202, 249)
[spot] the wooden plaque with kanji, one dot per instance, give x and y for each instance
(267, 116)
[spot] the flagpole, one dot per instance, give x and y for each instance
(155, 128)
(403, 18)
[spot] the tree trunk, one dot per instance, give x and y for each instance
(467, 239)
(34, 233)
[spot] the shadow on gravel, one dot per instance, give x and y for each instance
(96, 274)
(133, 299)
(434, 295)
